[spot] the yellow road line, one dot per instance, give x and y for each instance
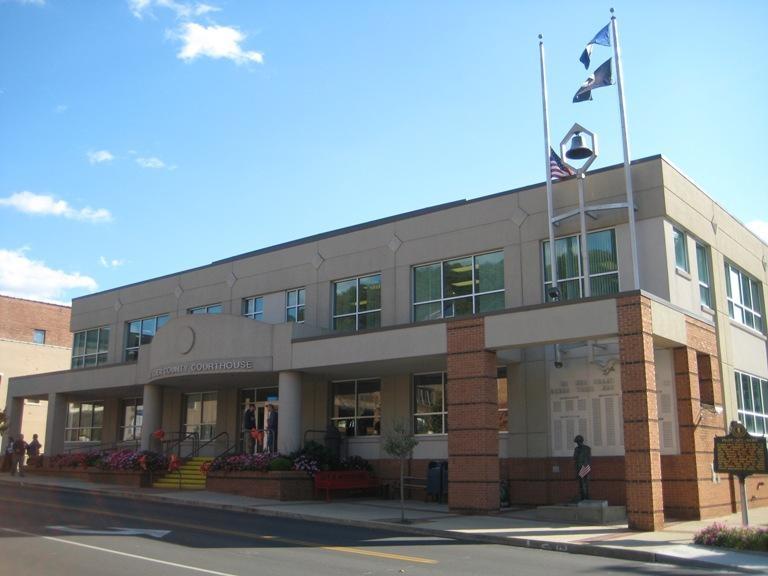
(227, 532)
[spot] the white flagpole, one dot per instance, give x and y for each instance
(547, 148)
(627, 166)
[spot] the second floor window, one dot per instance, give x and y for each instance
(294, 305)
(141, 333)
(210, 309)
(705, 282)
(38, 336)
(357, 303)
(459, 287)
(744, 301)
(603, 265)
(90, 347)
(681, 249)
(253, 308)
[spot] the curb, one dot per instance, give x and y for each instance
(517, 542)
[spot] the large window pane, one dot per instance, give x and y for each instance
(134, 334)
(427, 283)
(369, 297)
(92, 342)
(104, 339)
(489, 271)
(457, 277)
(432, 311)
(357, 407)
(490, 302)
(681, 249)
(345, 297)
(369, 320)
(429, 403)
(344, 400)
(457, 307)
(602, 252)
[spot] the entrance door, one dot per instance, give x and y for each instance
(260, 397)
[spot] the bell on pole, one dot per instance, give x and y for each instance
(578, 150)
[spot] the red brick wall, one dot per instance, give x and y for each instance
(19, 318)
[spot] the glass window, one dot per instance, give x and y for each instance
(84, 422)
(210, 309)
(133, 413)
(294, 305)
(744, 301)
(430, 415)
(503, 389)
(253, 308)
(681, 249)
(357, 303)
(459, 287)
(200, 414)
(357, 407)
(603, 265)
(140, 333)
(705, 286)
(38, 336)
(90, 347)
(752, 399)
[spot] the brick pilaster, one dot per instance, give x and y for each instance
(473, 421)
(642, 456)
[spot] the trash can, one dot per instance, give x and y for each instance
(437, 479)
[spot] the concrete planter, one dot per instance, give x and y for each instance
(288, 485)
(132, 478)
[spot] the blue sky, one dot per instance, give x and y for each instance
(140, 138)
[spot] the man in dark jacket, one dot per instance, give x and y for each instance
(19, 452)
(272, 428)
(33, 451)
(249, 424)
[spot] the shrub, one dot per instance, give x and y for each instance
(126, 459)
(740, 538)
(243, 463)
(354, 463)
(280, 463)
(307, 464)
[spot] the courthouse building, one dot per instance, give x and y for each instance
(439, 318)
(34, 338)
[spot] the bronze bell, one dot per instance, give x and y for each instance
(578, 150)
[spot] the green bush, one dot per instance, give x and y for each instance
(280, 463)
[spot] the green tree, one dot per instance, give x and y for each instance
(399, 442)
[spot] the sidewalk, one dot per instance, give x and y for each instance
(513, 528)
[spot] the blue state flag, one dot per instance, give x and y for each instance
(602, 76)
(603, 38)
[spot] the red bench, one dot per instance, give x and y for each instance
(344, 480)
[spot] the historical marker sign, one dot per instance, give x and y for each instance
(739, 453)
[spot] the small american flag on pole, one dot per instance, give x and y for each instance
(586, 469)
(557, 167)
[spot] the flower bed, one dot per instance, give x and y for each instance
(122, 467)
(740, 538)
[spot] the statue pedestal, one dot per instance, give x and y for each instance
(583, 512)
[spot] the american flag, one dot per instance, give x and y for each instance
(557, 167)
(586, 469)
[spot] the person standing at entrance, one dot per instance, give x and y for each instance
(249, 424)
(19, 453)
(33, 451)
(272, 428)
(582, 458)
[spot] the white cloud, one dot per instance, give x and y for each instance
(182, 10)
(39, 204)
(113, 263)
(25, 278)
(214, 42)
(759, 227)
(151, 162)
(100, 156)
(61, 108)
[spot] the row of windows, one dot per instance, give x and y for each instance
(752, 399)
(680, 240)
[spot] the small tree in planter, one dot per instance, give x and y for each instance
(399, 443)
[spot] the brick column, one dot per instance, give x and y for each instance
(473, 421)
(642, 457)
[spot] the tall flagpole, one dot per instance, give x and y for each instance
(547, 148)
(627, 166)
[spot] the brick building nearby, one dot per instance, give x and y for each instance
(441, 318)
(34, 338)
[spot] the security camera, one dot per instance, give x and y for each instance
(558, 364)
(554, 294)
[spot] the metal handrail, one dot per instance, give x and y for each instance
(196, 451)
(304, 440)
(169, 445)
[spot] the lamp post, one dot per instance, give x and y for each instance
(586, 151)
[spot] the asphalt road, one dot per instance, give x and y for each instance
(44, 531)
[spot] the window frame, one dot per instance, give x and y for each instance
(443, 413)
(705, 285)
(138, 416)
(679, 235)
(753, 310)
(36, 332)
(298, 308)
(128, 349)
(357, 314)
(750, 415)
(442, 301)
(336, 420)
(258, 312)
(100, 357)
(579, 278)
(206, 429)
(91, 436)
(217, 308)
